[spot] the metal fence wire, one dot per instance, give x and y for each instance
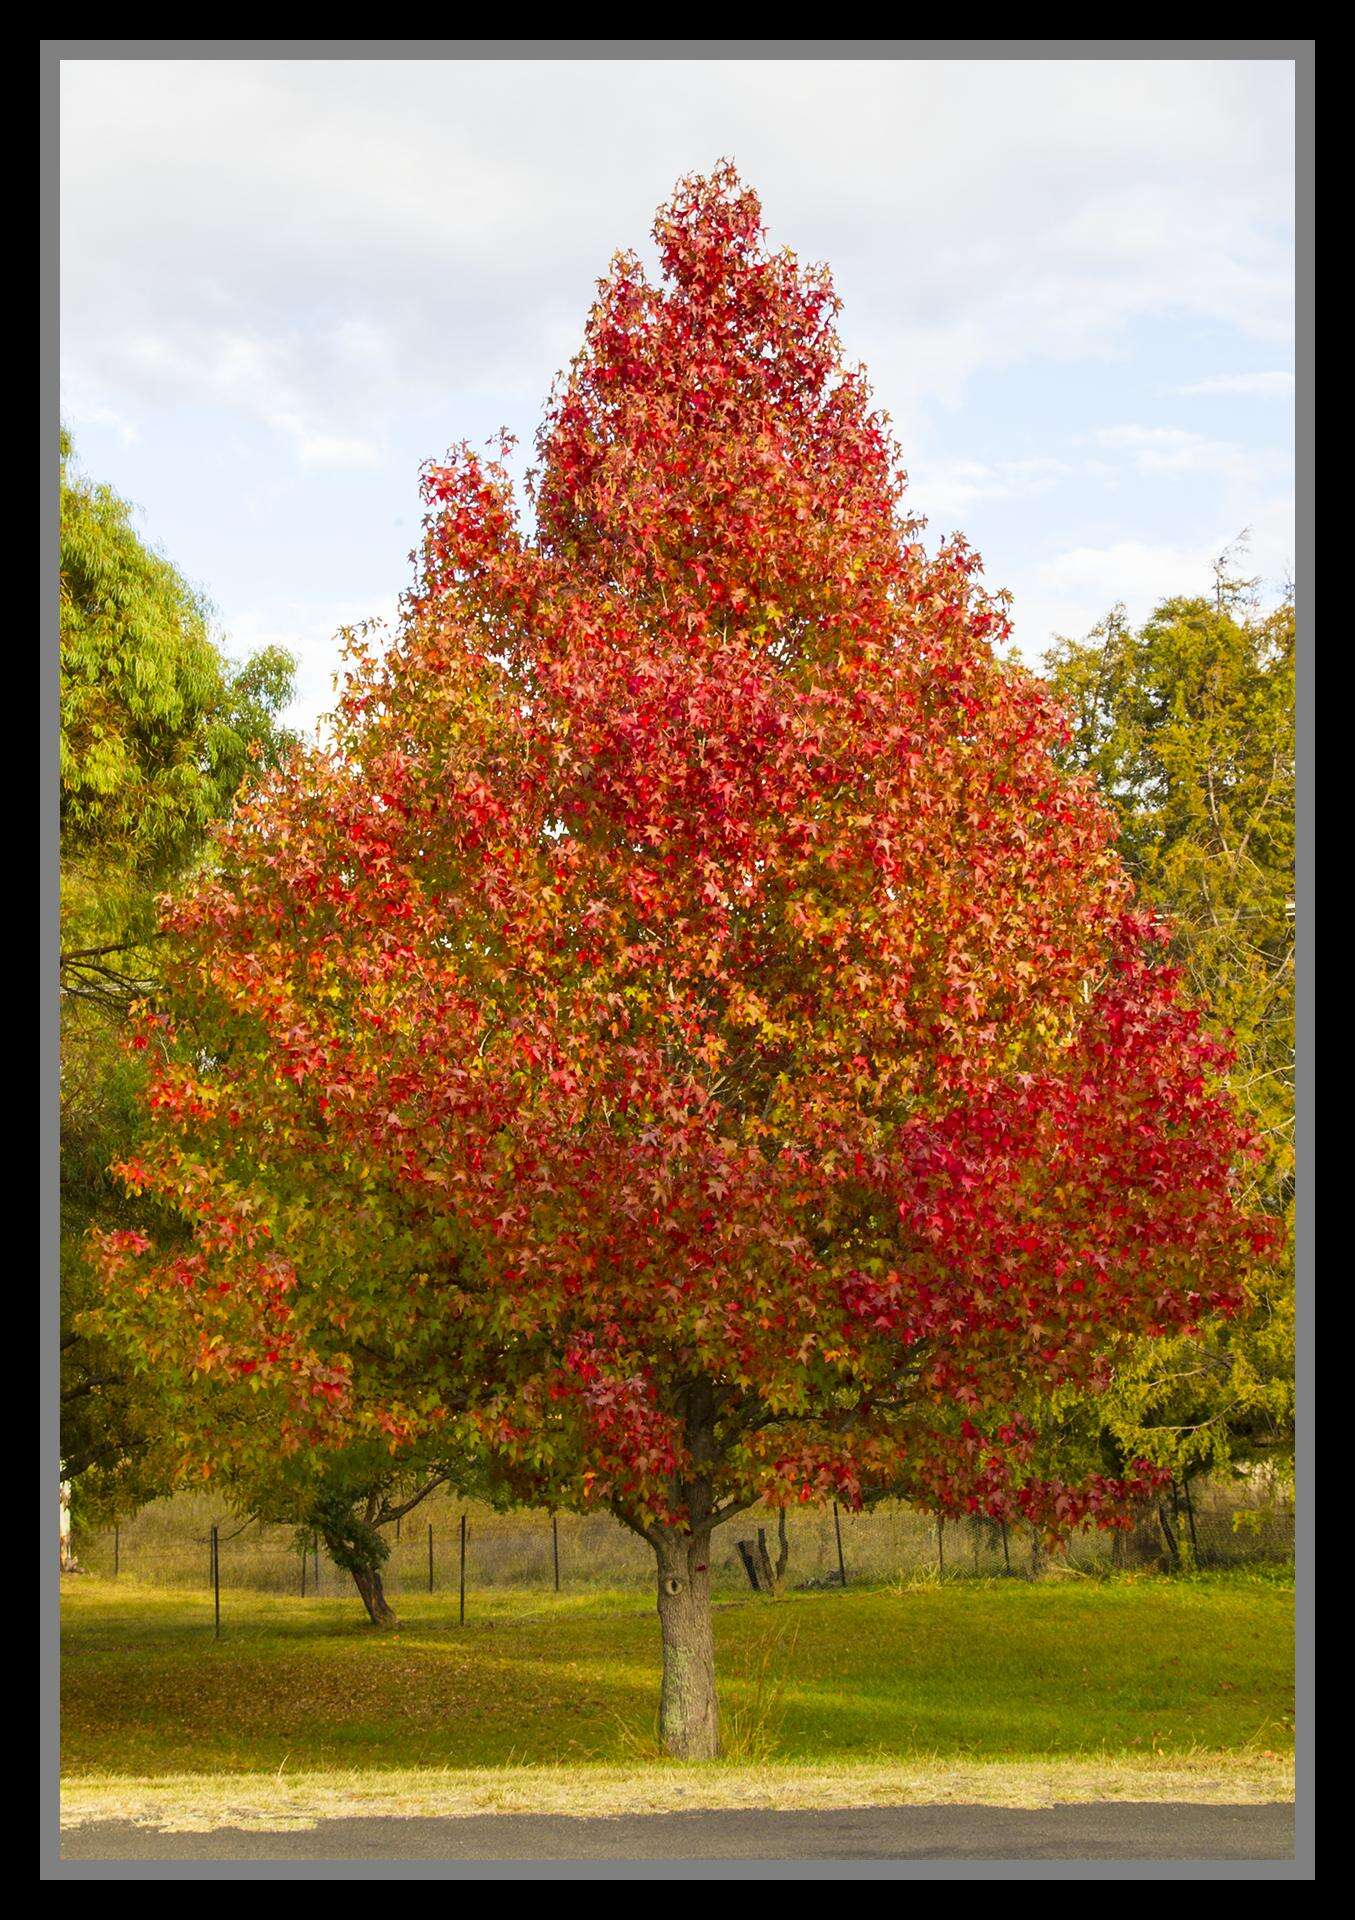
(169, 1544)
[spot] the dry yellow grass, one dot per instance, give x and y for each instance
(281, 1801)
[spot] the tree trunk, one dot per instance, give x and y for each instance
(688, 1716)
(766, 1571)
(751, 1566)
(372, 1593)
(67, 1549)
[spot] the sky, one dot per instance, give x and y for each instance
(285, 284)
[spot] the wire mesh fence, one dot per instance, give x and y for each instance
(169, 1543)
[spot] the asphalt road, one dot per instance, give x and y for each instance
(1120, 1831)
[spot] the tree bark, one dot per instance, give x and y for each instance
(372, 1593)
(67, 1549)
(751, 1564)
(688, 1715)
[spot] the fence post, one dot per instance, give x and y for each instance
(430, 1556)
(216, 1583)
(116, 1545)
(1190, 1523)
(555, 1547)
(315, 1548)
(1006, 1549)
(303, 1569)
(463, 1571)
(940, 1546)
(837, 1530)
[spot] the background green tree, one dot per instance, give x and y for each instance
(158, 730)
(349, 1498)
(1188, 725)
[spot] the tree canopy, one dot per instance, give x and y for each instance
(158, 729)
(1187, 724)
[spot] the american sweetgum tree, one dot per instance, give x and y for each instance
(683, 1035)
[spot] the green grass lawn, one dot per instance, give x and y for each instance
(968, 1670)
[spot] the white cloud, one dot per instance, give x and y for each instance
(1240, 473)
(311, 632)
(76, 410)
(1067, 593)
(1268, 386)
(946, 488)
(1164, 450)
(455, 214)
(337, 452)
(295, 279)
(244, 374)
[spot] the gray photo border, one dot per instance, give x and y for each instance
(1299, 53)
